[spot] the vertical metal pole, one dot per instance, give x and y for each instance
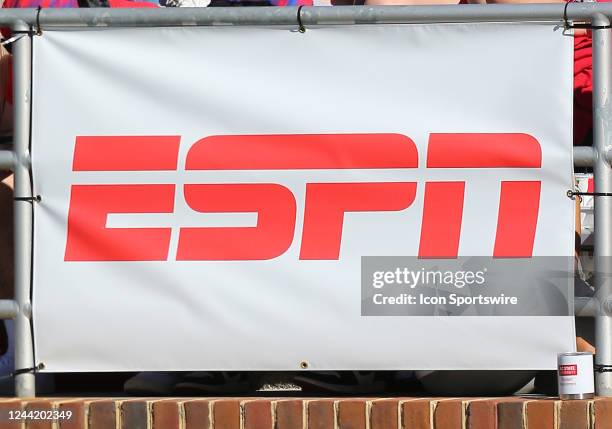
(22, 78)
(602, 139)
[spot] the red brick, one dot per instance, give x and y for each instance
(416, 414)
(383, 414)
(197, 414)
(226, 414)
(5, 408)
(289, 414)
(166, 414)
(603, 413)
(46, 407)
(574, 415)
(102, 415)
(134, 414)
(482, 414)
(448, 414)
(510, 414)
(321, 414)
(540, 414)
(352, 414)
(258, 414)
(77, 419)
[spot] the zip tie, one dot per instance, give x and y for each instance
(603, 368)
(27, 370)
(37, 199)
(24, 32)
(565, 22)
(12, 39)
(33, 369)
(590, 26)
(572, 194)
(38, 29)
(567, 25)
(301, 28)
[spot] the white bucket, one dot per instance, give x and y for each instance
(575, 375)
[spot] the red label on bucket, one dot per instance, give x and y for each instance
(568, 370)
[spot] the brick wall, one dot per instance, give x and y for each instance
(314, 413)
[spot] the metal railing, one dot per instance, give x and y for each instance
(598, 156)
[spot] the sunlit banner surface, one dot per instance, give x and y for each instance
(213, 197)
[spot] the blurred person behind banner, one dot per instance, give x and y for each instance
(394, 2)
(238, 3)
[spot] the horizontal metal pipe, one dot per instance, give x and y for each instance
(584, 156)
(586, 307)
(145, 17)
(8, 309)
(7, 160)
(592, 306)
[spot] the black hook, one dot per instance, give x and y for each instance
(301, 27)
(38, 29)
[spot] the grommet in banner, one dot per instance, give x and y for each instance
(36, 199)
(301, 27)
(573, 194)
(304, 364)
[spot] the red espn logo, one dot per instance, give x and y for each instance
(568, 369)
(88, 238)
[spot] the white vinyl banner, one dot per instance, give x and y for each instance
(208, 194)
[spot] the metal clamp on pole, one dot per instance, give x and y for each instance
(8, 309)
(36, 199)
(7, 160)
(22, 87)
(584, 156)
